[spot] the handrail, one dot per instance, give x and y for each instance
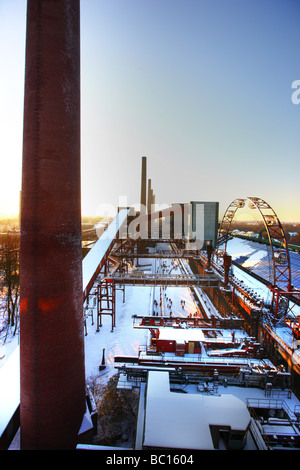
(271, 403)
(157, 278)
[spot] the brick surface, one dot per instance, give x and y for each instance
(51, 326)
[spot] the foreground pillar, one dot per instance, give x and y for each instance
(51, 318)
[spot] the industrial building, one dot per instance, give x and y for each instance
(210, 345)
(217, 360)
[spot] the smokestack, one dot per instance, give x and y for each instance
(51, 327)
(153, 201)
(149, 198)
(143, 186)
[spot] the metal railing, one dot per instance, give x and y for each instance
(164, 279)
(271, 403)
(205, 360)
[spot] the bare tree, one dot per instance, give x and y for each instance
(116, 409)
(10, 279)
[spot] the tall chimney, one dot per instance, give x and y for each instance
(51, 328)
(153, 201)
(149, 197)
(144, 186)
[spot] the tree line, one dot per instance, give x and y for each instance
(9, 282)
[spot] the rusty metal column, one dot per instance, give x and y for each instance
(51, 318)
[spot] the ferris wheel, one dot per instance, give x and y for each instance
(280, 269)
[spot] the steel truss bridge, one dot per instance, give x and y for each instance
(192, 322)
(162, 279)
(110, 248)
(180, 255)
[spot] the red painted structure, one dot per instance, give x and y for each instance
(179, 348)
(280, 257)
(51, 326)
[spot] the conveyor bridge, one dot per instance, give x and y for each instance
(98, 255)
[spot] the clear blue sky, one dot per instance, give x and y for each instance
(200, 87)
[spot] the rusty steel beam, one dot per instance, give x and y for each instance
(165, 279)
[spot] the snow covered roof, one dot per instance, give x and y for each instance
(196, 334)
(175, 420)
(181, 334)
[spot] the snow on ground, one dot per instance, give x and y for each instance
(172, 299)
(238, 248)
(254, 259)
(7, 348)
(253, 284)
(258, 258)
(124, 339)
(246, 252)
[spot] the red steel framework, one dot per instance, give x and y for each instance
(106, 302)
(281, 269)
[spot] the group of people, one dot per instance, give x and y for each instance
(159, 306)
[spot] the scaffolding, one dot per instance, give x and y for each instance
(106, 302)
